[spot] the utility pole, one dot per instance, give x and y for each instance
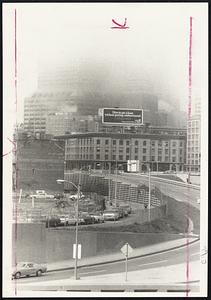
(109, 184)
(149, 204)
(76, 229)
(115, 186)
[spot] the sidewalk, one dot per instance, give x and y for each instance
(168, 275)
(138, 252)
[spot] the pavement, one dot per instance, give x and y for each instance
(171, 275)
(138, 252)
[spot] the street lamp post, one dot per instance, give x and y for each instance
(59, 181)
(149, 204)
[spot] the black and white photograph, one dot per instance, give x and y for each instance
(105, 149)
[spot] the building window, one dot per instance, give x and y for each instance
(114, 157)
(144, 143)
(180, 159)
(174, 144)
(166, 151)
(136, 143)
(106, 156)
(120, 150)
(166, 144)
(136, 157)
(106, 142)
(127, 150)
(173, 159)
(127, 143)
(159, 158)
(120, 142)
(153, 158)
(120, 157)
(127, 157)
(144, 150)
(159, 143)
(98, 141)
(166, 158)
(136, 150)
(144, 158)
(98, 156)
(196, 162)
(180, 152)
(181, 144)
(98, 149)
(159, 152)
(174, 151)
(114, 142)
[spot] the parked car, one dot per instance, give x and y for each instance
(99, 218)
(27, 269)
(59, 196)
(41, 194)
(110, 215)
(75, 196)
(64, 220)
(53, 221)
(88, 219)
(127, 208)
(72, 221)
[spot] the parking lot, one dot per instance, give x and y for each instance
(60, 211)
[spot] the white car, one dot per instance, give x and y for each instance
(27, 269)
(99, 218)
(75, 196)
(64, 220)
(41, 194)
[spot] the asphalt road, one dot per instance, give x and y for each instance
(180, 193)
(171, 257)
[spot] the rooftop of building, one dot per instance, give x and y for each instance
(158, 133)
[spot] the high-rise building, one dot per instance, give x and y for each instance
(194, 140)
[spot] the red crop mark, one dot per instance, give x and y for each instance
(13, 149)
(120, 26)
(189, 117)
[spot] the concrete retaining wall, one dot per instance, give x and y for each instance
(36, 243)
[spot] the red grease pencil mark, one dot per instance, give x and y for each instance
(119, 26)
(189, 117)
(16, 186)
(13, 149)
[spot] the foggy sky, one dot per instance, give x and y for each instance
(153, 52)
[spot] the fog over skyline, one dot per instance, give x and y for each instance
(152, 54)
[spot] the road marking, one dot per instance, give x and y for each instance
(156, 262)
(91, 272)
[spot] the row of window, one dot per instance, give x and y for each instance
(193, 162)
(121, 157)
(136, 142)
(127, 150)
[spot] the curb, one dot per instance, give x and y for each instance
(123, 259)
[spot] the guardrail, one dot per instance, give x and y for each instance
(118, 288)
(174, 182)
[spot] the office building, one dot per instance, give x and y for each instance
(194, 140)
(160, 149)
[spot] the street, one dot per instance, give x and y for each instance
(168, 258)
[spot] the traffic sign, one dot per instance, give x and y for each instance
(126, 249)
(79, 251)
